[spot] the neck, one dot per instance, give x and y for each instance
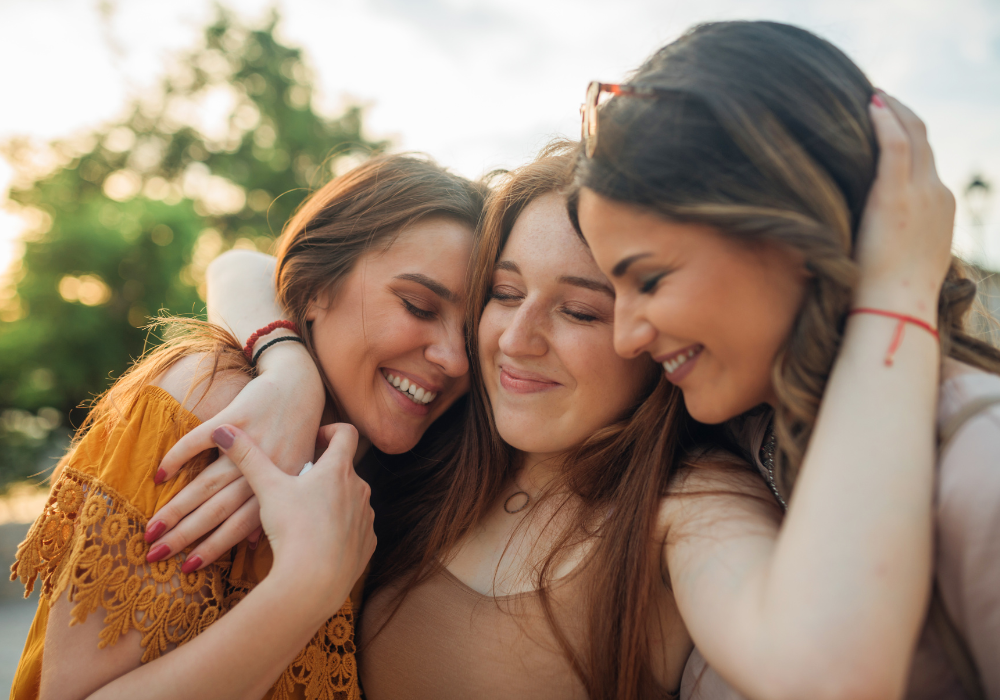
(538, 470)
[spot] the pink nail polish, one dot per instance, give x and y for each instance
(191, 564)
(161, 474)
(154, 531)
(158, 552)
(877, 101)
(223, 437)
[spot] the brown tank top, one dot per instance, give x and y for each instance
(448, 641)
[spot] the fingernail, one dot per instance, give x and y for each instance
(191, 564)
(877, 101)
(158, 552)
(254, 543)
(161, 474)
(223, 437)
(154, 531)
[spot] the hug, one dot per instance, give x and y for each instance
(685, 409)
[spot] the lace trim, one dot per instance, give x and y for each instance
(89, 541)
(326, 667)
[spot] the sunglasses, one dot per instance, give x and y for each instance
(588, 110)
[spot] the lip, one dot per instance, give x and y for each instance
(414, 379)
(519, 381)
(691, 352)
(404, 403)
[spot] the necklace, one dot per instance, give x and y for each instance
(515, 495)
(767, 451)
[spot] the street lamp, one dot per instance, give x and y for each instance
(978, 194)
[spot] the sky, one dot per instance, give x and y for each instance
(481, 84)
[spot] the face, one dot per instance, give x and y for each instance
(545, 338)
(391, 339)
(713, 311)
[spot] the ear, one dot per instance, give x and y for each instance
(318, 305)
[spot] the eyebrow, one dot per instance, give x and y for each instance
(508, 265)
(619, 269)
(431, 284)
(588, 283)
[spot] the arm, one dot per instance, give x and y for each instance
(281, 409)
(322, 524)
(830, 604)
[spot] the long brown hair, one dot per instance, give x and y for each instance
(319, 246)
(619, 476)
(764, 133)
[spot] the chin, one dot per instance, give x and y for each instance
(708, 412)
(395, 444)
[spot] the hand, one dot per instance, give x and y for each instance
(320, 522)
(904, 241)
(281, 410)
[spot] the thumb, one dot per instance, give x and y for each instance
(256, 466)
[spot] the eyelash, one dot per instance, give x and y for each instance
(649, 285)
(422, 314)
(585, 318)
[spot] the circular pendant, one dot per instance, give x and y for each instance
(519, 505)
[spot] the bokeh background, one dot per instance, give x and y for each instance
(139, 140)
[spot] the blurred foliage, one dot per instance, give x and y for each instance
(123, 221)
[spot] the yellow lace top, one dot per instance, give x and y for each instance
(88, 545)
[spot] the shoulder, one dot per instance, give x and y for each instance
(196, 386)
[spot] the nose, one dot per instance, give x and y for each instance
(633, 332)
(447, 350)
(524, 337)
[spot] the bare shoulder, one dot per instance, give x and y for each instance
(190, 382)
(717, 486)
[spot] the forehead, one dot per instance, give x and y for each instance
(543, 240)
(439, 242)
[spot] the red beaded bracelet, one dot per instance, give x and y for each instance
(269, 328)
(897, 337)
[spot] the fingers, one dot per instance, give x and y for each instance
(895, 162)
(214, 513)
(207, 484)
(342, 444)
(258, 469)
(922, 157)
(237, 528)
(184, 450)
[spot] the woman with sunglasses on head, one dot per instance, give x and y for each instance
(724, 191)
(122, 616)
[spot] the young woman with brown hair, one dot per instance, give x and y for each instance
(397, 233)
(723, 190)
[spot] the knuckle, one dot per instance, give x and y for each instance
(218, 511)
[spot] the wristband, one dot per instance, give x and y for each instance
(897, 337)
(269, 328)
(265, 346)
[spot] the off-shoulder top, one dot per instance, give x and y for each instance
(88, 546)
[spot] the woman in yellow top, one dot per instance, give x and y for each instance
(396, 231)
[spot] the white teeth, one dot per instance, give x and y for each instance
(672, 365)
(691, 352)
(415, 393)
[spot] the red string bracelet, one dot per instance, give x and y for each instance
(269, 328)
(897, 337)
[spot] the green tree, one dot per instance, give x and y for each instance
(126, 221)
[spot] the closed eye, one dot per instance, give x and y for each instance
(580, 316)
(423, 314)
(648, 284)
(505, 294)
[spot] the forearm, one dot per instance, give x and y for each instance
(849, 578)
(239, 656)
(241, 292)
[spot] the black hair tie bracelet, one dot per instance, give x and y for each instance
(265, 346)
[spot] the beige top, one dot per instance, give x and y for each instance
(967, 567)
(448, 641)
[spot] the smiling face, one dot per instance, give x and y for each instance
(545, 338)
(713, 311)
(391, 340)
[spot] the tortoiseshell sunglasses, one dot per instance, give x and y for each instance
(588, 109)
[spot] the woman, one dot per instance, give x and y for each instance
(746, 141)
(395, 232)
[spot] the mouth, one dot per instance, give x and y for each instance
(522, 382)
(409, 388)
(680, 362)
